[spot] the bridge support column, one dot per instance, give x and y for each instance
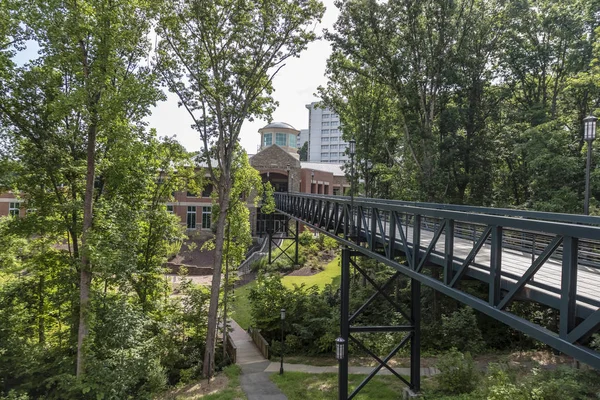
(415, 340)
(344, 324)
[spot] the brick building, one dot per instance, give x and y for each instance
(277, 161)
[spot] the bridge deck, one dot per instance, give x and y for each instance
(515, 263)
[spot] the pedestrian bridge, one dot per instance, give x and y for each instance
(551, 259)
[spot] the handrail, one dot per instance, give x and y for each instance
(259, 341)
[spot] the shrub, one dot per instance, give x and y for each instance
(460, 330)
(306, 238)
(458, 373)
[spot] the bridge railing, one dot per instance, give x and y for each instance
(552, 259)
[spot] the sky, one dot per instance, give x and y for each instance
(295, 86)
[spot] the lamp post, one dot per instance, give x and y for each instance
(589, 134)
(352, 151)
(340, 355)
(282, 340)
(312, 178)
(368, 178)
(287, 168)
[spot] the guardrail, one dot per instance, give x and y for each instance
(260, 342)
(231, 349)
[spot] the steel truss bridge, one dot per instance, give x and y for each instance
(551, 259)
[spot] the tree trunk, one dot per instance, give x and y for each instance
(85, 274)
(211, 334)
(225, 288)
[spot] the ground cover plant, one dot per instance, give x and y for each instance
(301, 386)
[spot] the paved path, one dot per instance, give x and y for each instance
(256, 369)
(255, 380)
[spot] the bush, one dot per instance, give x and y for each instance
(458, 373)
(460, 331)
(306, 238)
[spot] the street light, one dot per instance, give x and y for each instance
(312, 177)
(340, 355)
(282, 343)
(352, 143)
(589, 134)
(339, 348)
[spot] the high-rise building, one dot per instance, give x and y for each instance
(325, 142)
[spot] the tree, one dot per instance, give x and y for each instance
(219, 58)
(246, 190)
(304, 152)
(86, 91)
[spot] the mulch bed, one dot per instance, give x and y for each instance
(304, 271)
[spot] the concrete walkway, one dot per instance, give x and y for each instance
(255, 380)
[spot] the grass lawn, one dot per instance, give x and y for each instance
(240, 311)
(302, 386)
(330, 272)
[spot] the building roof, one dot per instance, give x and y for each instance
(280, 125)
(335, 169)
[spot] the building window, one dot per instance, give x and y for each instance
(334, 147)
(191, 217)
(324, 147)
(334, 131)
(325, 139)
(206, 192)
(336, 191)
(325, 123)
(324, 155)
(325, 132)
(292, 141)
(280, 139)
(268, 139)
(206, 214)
(326, 116)
(14, 208)
(170, 209)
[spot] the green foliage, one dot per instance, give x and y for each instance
(468, 102)
(458, 373)
(460, 330)
(310, 315)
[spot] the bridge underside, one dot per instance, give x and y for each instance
(551, 259)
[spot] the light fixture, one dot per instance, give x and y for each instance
(339, 348)
(352, 150)
(589, 128)
(283, 313)
(589, 134)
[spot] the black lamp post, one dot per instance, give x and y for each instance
(287, 168)
(312, 178)
(352, 151)
(589, 134)
(340, 355)
(282, 341)
(368, 180)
